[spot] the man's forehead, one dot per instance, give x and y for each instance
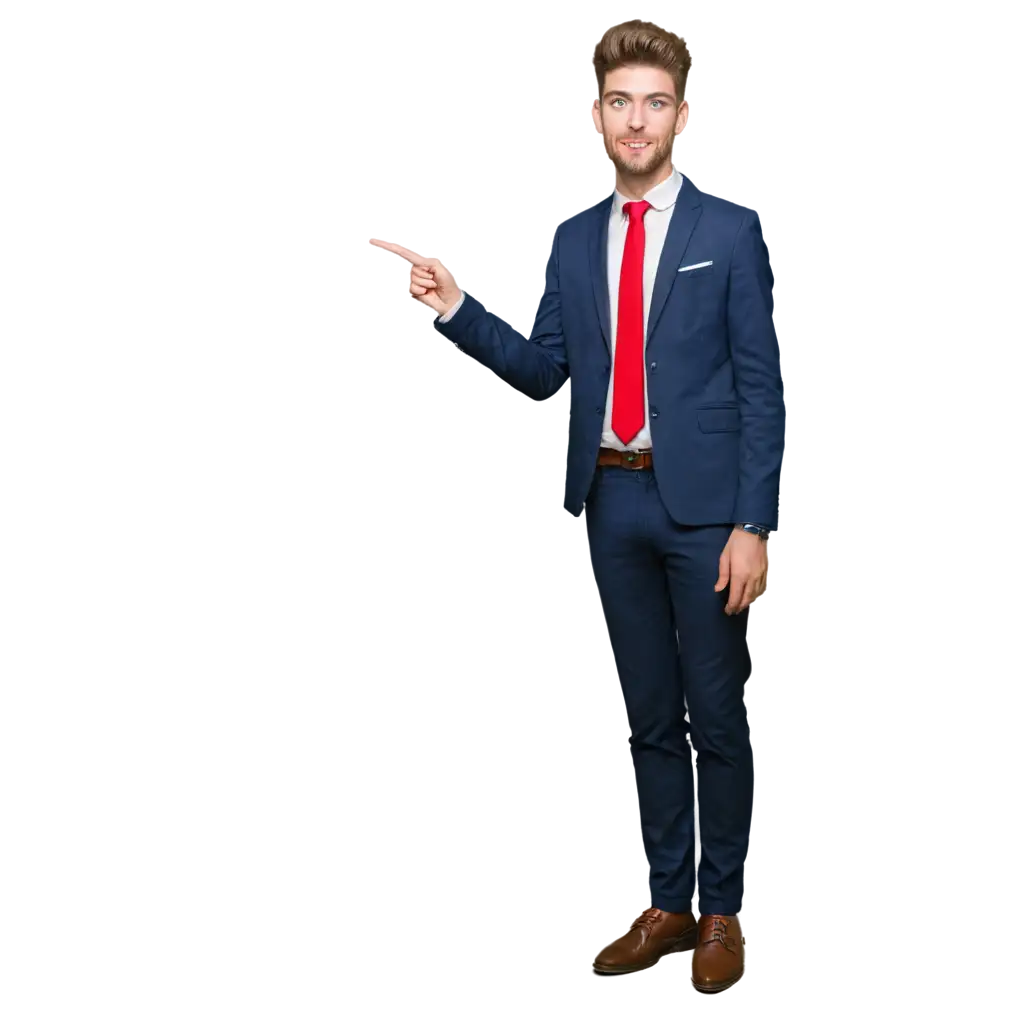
(629, 95)
(637, 71)
(642, 80)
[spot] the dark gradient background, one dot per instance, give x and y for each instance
(303, 704)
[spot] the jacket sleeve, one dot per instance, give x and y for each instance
(537, 366)
(755, 357)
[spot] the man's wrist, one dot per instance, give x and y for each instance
(452, 309)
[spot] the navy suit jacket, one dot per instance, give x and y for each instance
(714, 385)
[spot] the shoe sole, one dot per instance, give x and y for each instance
(718, 986)
(688, 940)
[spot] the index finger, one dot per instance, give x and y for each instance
(400, 249)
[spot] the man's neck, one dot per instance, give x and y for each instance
(635, 186)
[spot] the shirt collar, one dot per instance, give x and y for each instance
(661, 197)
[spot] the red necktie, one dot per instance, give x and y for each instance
(628, 388)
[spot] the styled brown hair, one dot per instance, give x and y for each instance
(642, 42)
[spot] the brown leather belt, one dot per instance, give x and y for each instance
(627, 460)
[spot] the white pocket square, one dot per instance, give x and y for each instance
(694, 266)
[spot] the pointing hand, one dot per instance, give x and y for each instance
(430, 281)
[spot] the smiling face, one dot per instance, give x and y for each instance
(639, 106)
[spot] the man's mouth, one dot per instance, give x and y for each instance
(635, 144)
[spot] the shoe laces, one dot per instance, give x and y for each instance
(648, 918)
(719, 928)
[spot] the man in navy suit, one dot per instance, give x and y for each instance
(658, 308)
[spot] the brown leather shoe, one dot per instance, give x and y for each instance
(718, 958)
(653, 934)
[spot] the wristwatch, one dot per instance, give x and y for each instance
(761, 531)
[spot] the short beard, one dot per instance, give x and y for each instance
(622, 165)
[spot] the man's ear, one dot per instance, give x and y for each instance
(681, 116)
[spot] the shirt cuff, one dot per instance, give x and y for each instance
(451, 312)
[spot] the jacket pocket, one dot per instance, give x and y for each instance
(718, 418)
(707, 269)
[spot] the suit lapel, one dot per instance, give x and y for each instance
(685, 214)
(599, 264)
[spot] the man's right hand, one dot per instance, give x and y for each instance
(430, 281)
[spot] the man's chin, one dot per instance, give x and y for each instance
(641, 165)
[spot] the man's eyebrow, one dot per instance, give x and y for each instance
(629, 95)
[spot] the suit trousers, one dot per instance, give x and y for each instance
(682, 664)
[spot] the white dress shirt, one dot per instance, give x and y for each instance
(662, 198)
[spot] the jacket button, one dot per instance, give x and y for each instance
(654, 414)
(599, 411)
(654, 366)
